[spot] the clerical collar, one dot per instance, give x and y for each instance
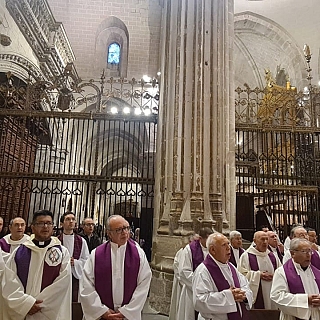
(66, 234)
(41, 244)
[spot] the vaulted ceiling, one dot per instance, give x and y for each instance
(271, 33)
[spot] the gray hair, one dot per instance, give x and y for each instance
(84, 220)
(234, 233)
(293, 230)
(110, 218)
(295, 243)
(212, 239)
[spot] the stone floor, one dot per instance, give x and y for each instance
(150, 314)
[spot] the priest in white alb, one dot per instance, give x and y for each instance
(220, 292)
(192, 255)
(10, 242)
(116, 277)
(296, 285)
(77, 248)
(42, 266)
(258, 264)
(236, 247)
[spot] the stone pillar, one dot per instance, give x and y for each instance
(195, 178)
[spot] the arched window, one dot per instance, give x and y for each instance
(114, 53)
(112, 45)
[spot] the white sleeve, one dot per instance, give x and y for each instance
(77, 269)
(252, 276)
(185, 267)
(16, 303)
(206, 297)
(295, 305)
(132, 311)
(91, 303)
(286, 257)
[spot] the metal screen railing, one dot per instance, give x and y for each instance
(277, 153)
(64, 150)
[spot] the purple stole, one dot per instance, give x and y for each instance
(22, 260)
(233, 259)
(279, 254)
(222, 284)
(5, 246)
(77, 247)
(259, 303)
(103, 273)
(293, 279)
(197, 253)
(315, 259)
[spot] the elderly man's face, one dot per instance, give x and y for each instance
(272, 239)
(301, 233)
(302, 255)
(261, 240)
(236, 242)
(221, 250)
(119, 230)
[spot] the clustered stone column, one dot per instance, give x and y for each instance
(195, 178)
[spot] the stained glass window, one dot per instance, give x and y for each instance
(114, 53)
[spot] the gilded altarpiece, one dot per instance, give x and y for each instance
(277, 152)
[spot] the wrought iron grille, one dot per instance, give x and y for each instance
(278, 153)
(64, 148)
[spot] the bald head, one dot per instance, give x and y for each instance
(260, 238)
(219, 247)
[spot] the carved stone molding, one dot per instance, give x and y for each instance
(20, 65)
(46, 37)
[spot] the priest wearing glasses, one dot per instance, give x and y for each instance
(42, 266)
(116, 277)
(296, 285)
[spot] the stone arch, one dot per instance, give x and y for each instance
(112, 30)
(262, 43)
(20, 67)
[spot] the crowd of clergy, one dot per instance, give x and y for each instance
(215, 278)
(41, 274)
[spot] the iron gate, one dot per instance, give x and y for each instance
(278, 153)
(91, 152)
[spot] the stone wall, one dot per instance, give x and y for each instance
(83, 19)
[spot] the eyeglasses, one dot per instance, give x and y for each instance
(305, 251)
(89, 224)
(42, 224)
(120, 230)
